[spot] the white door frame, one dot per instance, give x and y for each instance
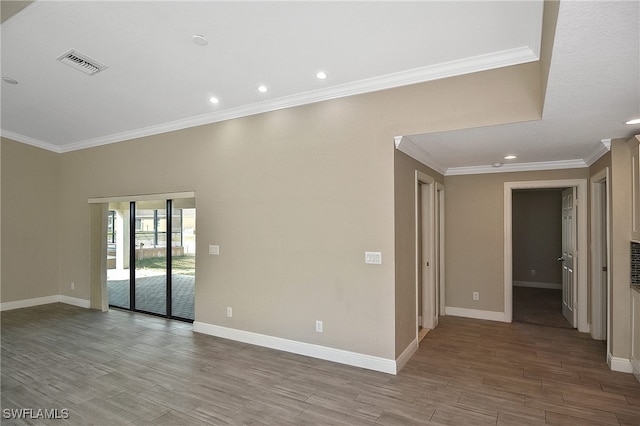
(582, 251)
(599, 216)
(424, 219)
(434, 190)
(440, 248)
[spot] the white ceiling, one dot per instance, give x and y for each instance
(593, 88)
(159, 80)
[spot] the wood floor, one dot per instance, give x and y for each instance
(124, 368)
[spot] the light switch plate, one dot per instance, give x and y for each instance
(373, 257)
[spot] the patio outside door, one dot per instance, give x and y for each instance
(151, 257)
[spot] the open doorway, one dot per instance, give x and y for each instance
(577, 294)
(539, 218)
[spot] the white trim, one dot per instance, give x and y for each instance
(532, 284)
(517, 167)
(57, 298)
(581, 254)
(406, 145)
(143, 197)
(301, 348)
(601, 149)
(622, 365)
(27, 303)
(406, 355)
(422, 179)
(597, 212)
(475, 313)
(493, 60)
(75, 301)
(440, 195)
(30, 141)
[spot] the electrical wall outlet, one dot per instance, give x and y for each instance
(533, 272)
(229, 311)
(73, 285)
(373, 257)
(476, 295)
(319, 326)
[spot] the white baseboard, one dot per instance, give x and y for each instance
(635, 366)
(622, 365)
(315, 351)
(474, 313)
(75, 301)
(26, 303)
(406, 355)
(533, 284)
(58, 298)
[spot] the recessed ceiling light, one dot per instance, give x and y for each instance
(9, 80)
(634, 121)
(214, 100)
(200, 40)
(510, 157)
(321, 75)
(262, 89)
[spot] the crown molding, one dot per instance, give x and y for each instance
(518, 167)
(601, 149)
(30, 141)
(470, 65)
(407, 146)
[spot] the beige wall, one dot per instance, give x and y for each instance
(293, 215)
(620, 249)
(474, 229)
(405, 246)
(294, 198)
(537, 236)
(600, 164)
(30, 206)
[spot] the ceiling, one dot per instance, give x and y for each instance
(593, 89)
(157, 79)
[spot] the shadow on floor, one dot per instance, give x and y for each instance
(541, 306)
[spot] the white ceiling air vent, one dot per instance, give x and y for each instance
(81, 62)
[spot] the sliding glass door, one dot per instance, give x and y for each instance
(151, 257)
(118, 258)
(183, 259)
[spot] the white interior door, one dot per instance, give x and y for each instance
(429, 296)
(569, 277)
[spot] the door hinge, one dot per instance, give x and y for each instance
(604, 269)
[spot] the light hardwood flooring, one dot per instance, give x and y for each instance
(123, 368)
(422, 333)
